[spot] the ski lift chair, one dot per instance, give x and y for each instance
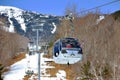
(29, 71)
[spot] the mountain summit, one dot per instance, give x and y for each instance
(23, 22)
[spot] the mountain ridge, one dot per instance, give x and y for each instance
(22, 22)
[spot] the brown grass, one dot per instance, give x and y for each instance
(14, 60)
(17, 58)
(26, 77)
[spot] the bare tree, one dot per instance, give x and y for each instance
(72, 9)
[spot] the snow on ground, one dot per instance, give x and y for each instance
(11, 29)
(13, 12)
(53, 31)
(17, 70)
(100, 19)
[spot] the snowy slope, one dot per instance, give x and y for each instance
(13, 12)
(17, 70)
(22, 22)
(54, 29)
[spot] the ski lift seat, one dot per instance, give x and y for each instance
(29, 72)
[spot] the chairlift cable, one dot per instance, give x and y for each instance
(100, 6)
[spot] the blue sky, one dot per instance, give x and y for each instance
(57, 7)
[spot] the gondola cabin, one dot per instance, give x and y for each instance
(67, 51)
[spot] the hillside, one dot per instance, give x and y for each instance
(100, 42)
(116, 15)
(11, 44)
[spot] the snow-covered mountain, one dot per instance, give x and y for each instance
(12, 12)
(23, 22)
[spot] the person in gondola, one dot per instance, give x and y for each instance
(68, 46)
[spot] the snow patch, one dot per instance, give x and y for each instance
(17, 71)
(61, 75)
(13, 12)
(21, 22)
(8, 8)
(46, 16)
(42, 24)
(11, 28)
(55, 27)
(100, 19)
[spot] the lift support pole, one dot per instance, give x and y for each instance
(37, 50)
(38, 54)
